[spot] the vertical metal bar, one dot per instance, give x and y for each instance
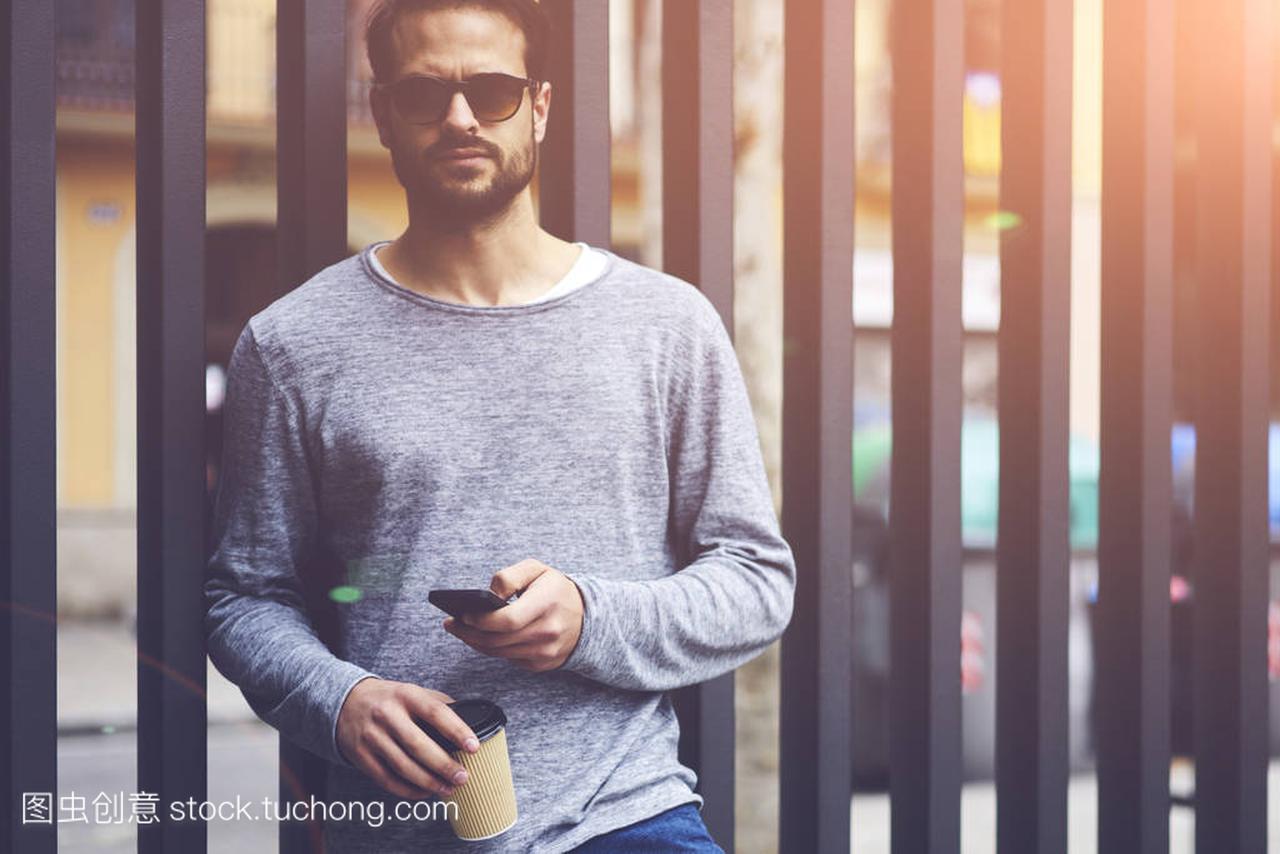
(697, 245)
(311, 229)
(817, 423)
(28, 713)
(172, 756)
(1135, 489)
(1234, 226)
(311, 137)
(1033, 550)
(928, 212)
(574, 176)
(697, 146)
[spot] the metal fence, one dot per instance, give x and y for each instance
(96, 64)
(1235, 199)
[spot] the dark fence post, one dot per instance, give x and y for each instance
(172, 754)
(697, 245)
(311, 205)
(311, 138)
(1033, 548)
(924, 505)
(574, 175)
(1135, 491)
(697, 147)
(1234, 121)
(817, 424)
(28, 710)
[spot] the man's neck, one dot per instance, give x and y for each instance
(508, 260)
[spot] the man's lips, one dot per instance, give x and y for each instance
(463, 154)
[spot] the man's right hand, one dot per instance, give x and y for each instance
(378, 734)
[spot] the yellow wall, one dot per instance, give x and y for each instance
(95, 181)
(95, 234)
(374, 194)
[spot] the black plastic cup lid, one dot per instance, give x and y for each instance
(484, 717)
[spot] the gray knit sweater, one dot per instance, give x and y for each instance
(408, 443)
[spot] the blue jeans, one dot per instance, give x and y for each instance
(679, 829)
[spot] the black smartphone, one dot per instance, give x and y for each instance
(465, 601)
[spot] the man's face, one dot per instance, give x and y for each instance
(454, 44)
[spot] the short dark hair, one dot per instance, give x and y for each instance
(528, 15)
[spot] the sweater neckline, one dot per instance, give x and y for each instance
(388, 284)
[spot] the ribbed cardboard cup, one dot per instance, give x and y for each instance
(486, 803)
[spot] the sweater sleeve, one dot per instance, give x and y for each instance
(257, 628)
(734, 596)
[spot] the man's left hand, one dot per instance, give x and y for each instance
(539, 630)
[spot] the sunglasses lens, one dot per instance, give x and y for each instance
(425, 100)
(494, 98)
(420, 99)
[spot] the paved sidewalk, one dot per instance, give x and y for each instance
(97, 693)
(98, 682)
(242, 763)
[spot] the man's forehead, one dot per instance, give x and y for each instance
(458, 42)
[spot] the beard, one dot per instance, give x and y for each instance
(461, 196)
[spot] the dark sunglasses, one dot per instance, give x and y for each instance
(492, 96)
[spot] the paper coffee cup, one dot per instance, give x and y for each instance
(486, 803)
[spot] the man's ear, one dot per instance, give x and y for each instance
(541, 109)
(380, 106)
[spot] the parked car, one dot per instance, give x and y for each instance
(977, 645)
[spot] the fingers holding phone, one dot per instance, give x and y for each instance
(471, 600)
(537, 632)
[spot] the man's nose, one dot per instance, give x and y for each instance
(459, 114)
